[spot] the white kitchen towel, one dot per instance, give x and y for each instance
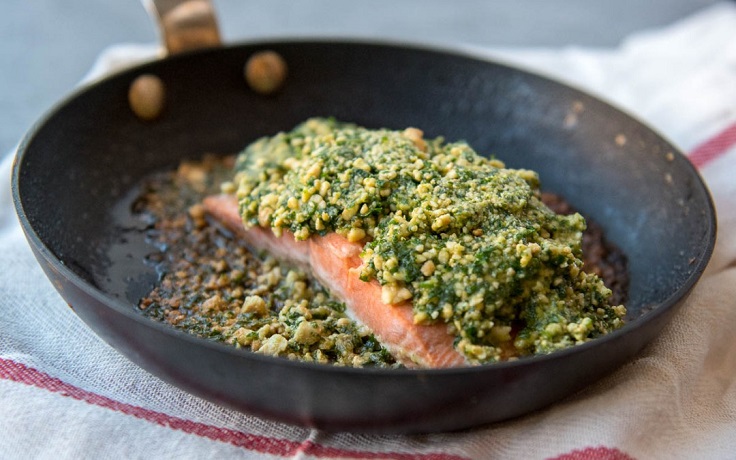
(65, 394)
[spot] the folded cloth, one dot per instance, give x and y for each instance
(65, 394)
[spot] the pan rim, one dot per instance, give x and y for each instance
(462, 51)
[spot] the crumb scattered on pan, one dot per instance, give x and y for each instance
(214, 287)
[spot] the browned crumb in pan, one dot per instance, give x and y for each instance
(213, 287)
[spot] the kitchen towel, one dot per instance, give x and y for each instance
(64, 393)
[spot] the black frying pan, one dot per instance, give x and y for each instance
(75, 167)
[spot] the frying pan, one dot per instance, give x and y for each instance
(75, 172)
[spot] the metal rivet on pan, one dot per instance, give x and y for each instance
(265, 72)
(146, 97)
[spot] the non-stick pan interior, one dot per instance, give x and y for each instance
(78, 167)
(93, 149)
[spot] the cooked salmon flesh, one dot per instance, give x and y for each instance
(335, 262)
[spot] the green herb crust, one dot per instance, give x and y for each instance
(466, 240)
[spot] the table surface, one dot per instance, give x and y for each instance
(46, 46)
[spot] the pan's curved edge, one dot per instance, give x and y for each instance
(459, 50)
(49, 260)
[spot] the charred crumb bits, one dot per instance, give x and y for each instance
(214, 288)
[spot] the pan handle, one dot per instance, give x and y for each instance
(185, 24)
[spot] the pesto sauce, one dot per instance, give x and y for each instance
(466, 240)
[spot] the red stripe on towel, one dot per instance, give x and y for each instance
(17, 372)
(713, 147)
(594, 453)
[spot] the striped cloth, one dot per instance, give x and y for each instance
(65, 394)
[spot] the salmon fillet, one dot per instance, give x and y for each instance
(335, 262)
